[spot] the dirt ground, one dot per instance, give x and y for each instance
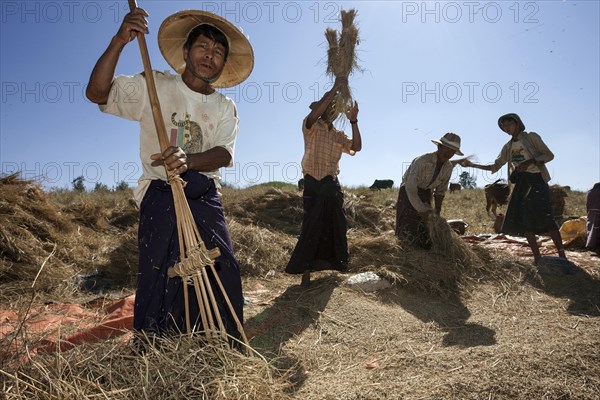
(535, 339)
(509, 330)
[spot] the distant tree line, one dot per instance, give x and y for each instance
(79, 186)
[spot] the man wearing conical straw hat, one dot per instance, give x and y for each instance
(427, 177)
(207, 52)
(323, 244)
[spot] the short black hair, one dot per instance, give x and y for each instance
(210, 32)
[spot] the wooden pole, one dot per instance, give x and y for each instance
(154, 102)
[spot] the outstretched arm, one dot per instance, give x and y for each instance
(468, 163)
(103, 73)
(502, 159)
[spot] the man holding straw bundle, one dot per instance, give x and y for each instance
(206, 51)
(427, 177)
(323, 244)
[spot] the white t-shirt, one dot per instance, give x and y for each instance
(520, 154)
(194, 121)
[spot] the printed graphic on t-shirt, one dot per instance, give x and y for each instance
(188, 134)
(518, 153)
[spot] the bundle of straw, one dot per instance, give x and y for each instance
(341, 58)
(446, 242)
(195, 259)
(460, 161)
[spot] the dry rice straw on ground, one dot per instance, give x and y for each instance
(171, 368)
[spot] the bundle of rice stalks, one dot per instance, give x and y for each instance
(460, 161)
(341, 58)
(176, 368)
(446, 242)
(368, 251)
(332, 51)
(259, 251)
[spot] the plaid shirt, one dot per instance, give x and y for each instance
(323, 149)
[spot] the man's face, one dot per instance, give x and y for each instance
(205, 57)
(510, 126)
(444, 153)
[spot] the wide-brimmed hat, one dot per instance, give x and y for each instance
(451, 141)
(514, 117)
(173, 34)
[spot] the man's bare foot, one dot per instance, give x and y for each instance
(305, 279)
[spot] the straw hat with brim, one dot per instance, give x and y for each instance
(451, 141)
(514, 117)
(173, 34)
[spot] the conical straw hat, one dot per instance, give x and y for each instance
(173, 34)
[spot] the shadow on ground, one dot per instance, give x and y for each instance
(289, 315)
(449, 313)
(564, 279)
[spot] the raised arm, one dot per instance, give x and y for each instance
(320, 106)
(352, 115)
(468, 163)
(103, 73)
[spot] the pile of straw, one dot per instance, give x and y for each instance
(275, 209)
(342, 59)
(260, 251)
(30, 230)
(361, 213)
(414, 270)
(47, 238)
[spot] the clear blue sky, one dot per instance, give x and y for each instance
(430, 67)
